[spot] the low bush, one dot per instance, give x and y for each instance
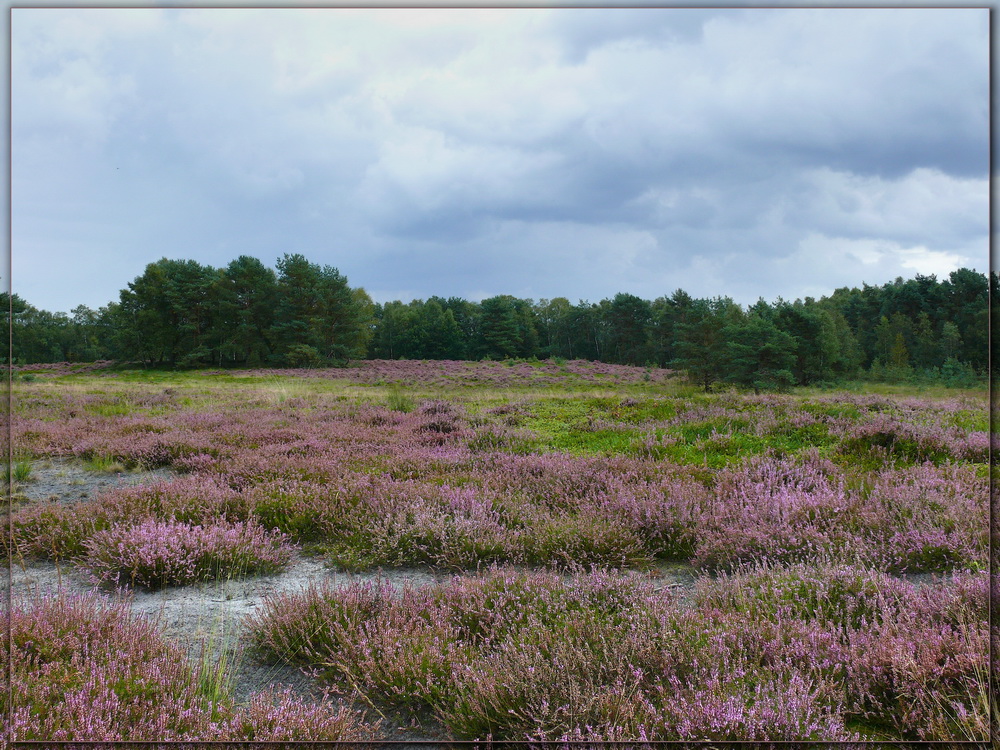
(83, 669)
(157, 553)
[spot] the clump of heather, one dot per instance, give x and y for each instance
(926, 518)
(190, 499)
(85, 669)
(737, 703)
(781, 510)
(61, 531)
(160, 553)
(455, 529)
(437, 421)
(922, 679)
(907, 658)
(363, 637)
(53, 532)
(922, 518)
(588, 538)
(844, 596)
(542, 656)
(275, 716)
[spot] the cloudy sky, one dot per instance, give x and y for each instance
(534, 152)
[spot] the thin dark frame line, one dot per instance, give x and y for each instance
(8, 382)
(992, 586)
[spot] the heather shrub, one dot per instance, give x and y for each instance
(84, 669)
(407, 523)
(309, 626)
(552, 679)
(88, 670)
(926, 518)
(362, 637)
(732, 703)
(926, 681)
(52, 532)
(190, 499)
(776, 509)
(517, 655)
(847, 597)
(910, 438)
(923, 674)
(587, 538)
(458, 540)
(908, 659)
(499, 603)
(307, 511)
(159, 553)
(274, 716)
(61, 532)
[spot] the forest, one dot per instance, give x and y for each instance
(181, 313)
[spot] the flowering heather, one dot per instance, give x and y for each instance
(376, 487)
(534, 655)
(462, 373)
(279, 716)
(799, 512)
(920, 518)
(85, 669)
(925, 680)
(156, 553)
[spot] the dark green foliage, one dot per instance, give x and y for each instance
(166, 313)
(247, 296)
(181, 313)
(701, 339)
(419, 330)
(629, 320)
(759, 355)
(316, 310)
(507, 328)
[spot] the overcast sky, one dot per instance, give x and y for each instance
(540, 153)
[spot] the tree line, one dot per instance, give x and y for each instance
(180, 313)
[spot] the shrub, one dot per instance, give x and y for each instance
(87, 670)
(156, 553)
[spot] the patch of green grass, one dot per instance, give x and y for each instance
(104, 465)
(821, 410)
(398, 400)
(111, 409)
(614, 426)
(19, 472)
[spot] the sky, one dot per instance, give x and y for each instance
(535, 152)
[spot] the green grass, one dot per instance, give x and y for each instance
(397, 400)
(111, 409)
(19, 472)
(104, 465)
(634, 427)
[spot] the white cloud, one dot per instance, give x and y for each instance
(925, 205)
(875, 259)
(556, 152)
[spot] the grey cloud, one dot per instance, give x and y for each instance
(583, 31)
(562, 152)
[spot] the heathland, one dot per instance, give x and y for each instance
(615, 554)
